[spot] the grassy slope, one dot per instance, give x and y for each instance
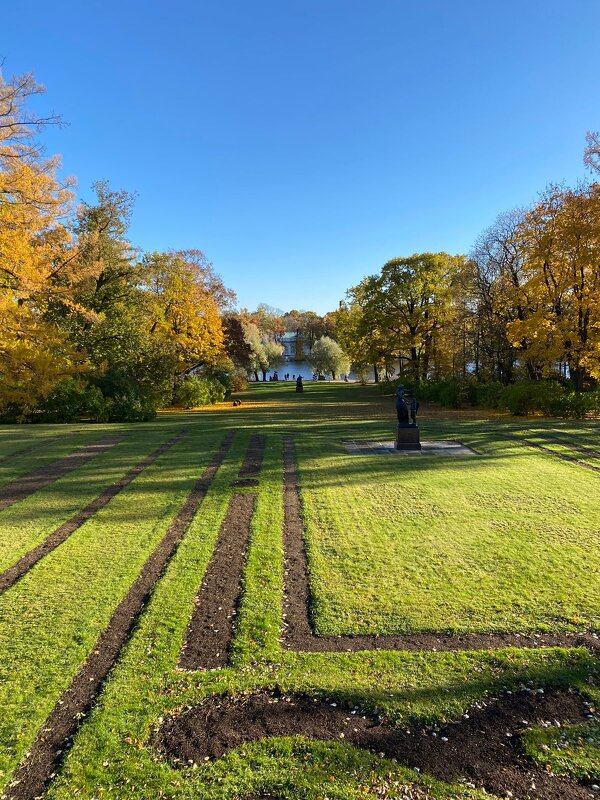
(51, 618)
(111, 755)
(30, 521)
(506, 541)
(48, 448)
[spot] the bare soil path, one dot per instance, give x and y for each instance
(210, 631)
(483, 747)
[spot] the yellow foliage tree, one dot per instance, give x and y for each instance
(37, 259)
(560, 245)
(183, 306)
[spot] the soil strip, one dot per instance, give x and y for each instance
(483, 747)
(563, 456)
(252, 464)
(47, 751)
(36, 446)
(578, 448)
(22, 487)
(298, 630)
(11, 575)
(210, 631)
(548, 451)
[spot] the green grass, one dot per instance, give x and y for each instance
(507, 541)
(51, 618)
(25, 524)
(47, 449)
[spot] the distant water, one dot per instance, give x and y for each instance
(302, 368)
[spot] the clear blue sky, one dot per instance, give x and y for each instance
(302, 143)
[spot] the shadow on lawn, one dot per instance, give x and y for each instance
(462, 693)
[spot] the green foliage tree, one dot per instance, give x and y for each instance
(404, 307)
(328, 357)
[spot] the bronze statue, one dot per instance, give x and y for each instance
(403, 403)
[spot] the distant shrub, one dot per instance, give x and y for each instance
(125, 399)
(525, 397)
(70, 400)
(549, 398)
(238, 381)
(193, 392)
(487, 395)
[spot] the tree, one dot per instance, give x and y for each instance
(327, 356)
(182, 306)
(364, 343)
(265, 353)
(501, 296)
(591, 154)
(405, 306)
(560, 242)
(38, 263)
(236, 345)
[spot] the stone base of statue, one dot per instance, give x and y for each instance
(407, 437)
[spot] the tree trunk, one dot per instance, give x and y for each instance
(414, 363)
(376, 373)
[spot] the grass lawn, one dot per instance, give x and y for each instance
(503, 542)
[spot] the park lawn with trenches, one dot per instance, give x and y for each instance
(502, 543)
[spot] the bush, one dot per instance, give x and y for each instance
(549, 398)
(125, 400)
(522, 398)
(194, 392)
(487, 395)
(451, 392)
(238, 381)
(70, 400)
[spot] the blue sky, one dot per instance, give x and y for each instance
(302, 143)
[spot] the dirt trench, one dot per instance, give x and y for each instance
(482, 748)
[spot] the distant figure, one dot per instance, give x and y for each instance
(299, 384)
(345, 379)
(237, 403)
(275, 377)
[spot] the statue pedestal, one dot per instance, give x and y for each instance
(407, 437)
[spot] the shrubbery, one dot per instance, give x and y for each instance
(71, 400)
(549, 398)
(193, 392)
(116, 397)
(524, 397)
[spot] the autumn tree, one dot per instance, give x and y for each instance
(366, 345)
(560, 244)
(405, 305)
(38, 262)
(182, 305)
